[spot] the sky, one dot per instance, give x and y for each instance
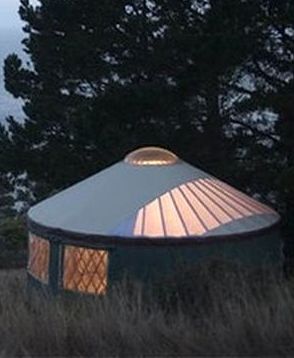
(10, 41)
(9, 18)
(11, 36)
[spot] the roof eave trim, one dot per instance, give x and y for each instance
(95, 240)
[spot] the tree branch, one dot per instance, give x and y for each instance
(255, 130)
(273, 81)
(241, 89)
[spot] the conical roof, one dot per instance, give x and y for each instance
(153, 194)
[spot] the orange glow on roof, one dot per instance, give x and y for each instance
(151, 156)
(194, 209)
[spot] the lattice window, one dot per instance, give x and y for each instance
(38, 263)
(85, 270)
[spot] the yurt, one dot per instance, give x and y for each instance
(140, 217)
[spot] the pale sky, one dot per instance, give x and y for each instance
(9, 17)
(10, 42)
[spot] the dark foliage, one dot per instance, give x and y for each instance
(13, 243)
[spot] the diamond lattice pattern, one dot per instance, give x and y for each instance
(85, 270)
(38, 257)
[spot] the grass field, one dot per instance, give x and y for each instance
(211, 310)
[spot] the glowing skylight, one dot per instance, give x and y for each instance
(151, 156)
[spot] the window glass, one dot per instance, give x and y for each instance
(38, 257)
(85, 270)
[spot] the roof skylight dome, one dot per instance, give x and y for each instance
(151, 156)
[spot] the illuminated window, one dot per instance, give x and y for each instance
(85, 270)
(38, 257)
(151, 156)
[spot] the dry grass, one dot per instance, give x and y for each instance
(220, 311)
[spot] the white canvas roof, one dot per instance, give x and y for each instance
(153, 194)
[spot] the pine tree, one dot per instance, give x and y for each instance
(107, 77)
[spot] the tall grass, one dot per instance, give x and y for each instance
(212, 309)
